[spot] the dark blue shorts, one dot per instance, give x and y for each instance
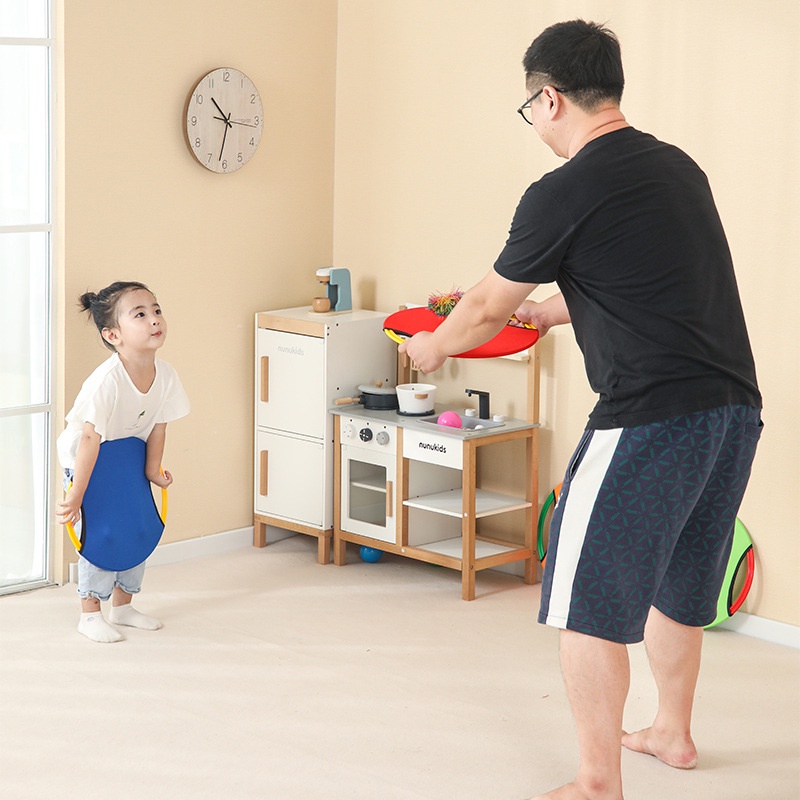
(645, 518)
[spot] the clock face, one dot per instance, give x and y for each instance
(224, 120)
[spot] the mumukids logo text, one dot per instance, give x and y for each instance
(439, 448)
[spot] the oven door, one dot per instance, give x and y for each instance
(367, 501)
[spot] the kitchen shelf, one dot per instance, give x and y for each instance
(453, 548)
(451, 503)
(374, 484)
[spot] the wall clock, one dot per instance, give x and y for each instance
(224, 120)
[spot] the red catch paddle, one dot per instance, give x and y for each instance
(404, 324)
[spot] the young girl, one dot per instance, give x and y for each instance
(131, 394)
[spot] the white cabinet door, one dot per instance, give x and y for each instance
(290, 394)
(290, 478)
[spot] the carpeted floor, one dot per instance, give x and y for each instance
(279, 679)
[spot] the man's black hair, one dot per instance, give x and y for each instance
(581, 58)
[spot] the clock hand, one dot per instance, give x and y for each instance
(226, 119)
(236, 122)
(224, 136)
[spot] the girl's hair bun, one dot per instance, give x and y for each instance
(86, 299)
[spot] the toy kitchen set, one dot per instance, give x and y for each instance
(349, 449)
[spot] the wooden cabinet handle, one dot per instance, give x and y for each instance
(389, 504)
(264, 379)
(263, 473)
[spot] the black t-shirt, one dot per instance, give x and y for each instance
(629, 230)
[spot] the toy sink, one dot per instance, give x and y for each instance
(467, 423)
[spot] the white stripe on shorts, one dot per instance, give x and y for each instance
(580, 500)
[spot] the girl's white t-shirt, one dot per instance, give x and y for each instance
(117, 409)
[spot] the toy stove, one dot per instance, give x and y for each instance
(369, 472)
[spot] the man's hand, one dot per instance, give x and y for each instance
(422, 352)
(544, 315)
(528, 313)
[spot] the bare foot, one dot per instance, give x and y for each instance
(571, 791)
(674, 751)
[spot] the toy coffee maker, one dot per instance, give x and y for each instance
(337, 290)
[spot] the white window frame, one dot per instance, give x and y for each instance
(48, 407)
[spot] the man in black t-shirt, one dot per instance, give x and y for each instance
(642, 533)
(629, 231)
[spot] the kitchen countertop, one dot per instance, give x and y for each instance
(418, 424)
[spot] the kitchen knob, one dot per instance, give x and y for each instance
(382, 437)
(348, 431)
(365, 434)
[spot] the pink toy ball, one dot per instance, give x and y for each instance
(450, 419)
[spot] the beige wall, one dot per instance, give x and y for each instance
(215, 248)
(431, 160)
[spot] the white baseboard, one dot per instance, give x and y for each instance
(748, 624)
(762, 628)
(173, 552)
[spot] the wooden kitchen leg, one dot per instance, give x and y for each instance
(339, 551)
(532, 464)
(530, 571)
(469, 474)
(531, 517)
(324, 548)
(259, 533)
(468, 582)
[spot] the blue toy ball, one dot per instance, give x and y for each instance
(370, 554)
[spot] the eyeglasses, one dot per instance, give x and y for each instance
(525, 109)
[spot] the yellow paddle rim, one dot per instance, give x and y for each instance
(393, 336)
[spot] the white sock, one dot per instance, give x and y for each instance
(94, 627)
(128, 615)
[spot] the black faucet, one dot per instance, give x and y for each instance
(483, 402)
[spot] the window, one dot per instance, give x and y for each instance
(26, 291)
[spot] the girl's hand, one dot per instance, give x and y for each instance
(162, 479)
(69, 510)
